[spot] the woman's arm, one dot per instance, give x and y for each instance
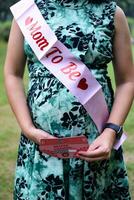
(124, 75)
(123, 70)
(13, 73)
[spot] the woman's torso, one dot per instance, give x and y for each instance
(87, 30)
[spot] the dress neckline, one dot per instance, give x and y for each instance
(74, 4)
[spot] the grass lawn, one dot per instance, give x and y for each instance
(9, 139)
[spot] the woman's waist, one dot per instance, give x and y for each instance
(42, 79)
(39, 72)
(48, 87)
(48, 81)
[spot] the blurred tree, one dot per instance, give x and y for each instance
(4, 9)
(127, 5)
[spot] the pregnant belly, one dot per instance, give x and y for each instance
(57, 111)
(54, 109)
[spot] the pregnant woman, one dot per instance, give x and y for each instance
(96, 32)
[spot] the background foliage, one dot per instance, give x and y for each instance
(5, 15)
(9, 130)
(127, 5)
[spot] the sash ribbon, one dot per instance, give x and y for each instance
(57, 58)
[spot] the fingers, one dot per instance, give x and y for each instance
(92, 154)
(100, 153)
(47, 135)
(39, 134)
(93, 146)
(92, 159)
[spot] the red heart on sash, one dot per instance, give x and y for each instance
(82, 84)
(28, 21)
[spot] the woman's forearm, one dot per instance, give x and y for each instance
(124, 96)
(17, 99)
(13, 75)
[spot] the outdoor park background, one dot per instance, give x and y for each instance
(9, 130)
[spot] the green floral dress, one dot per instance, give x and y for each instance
(87, 30)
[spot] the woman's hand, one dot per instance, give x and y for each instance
(36, 135)
(101, 148)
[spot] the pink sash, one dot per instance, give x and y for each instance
(61, 62)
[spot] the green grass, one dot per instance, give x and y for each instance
(9, 139)
(3, 99)
(131, 25)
